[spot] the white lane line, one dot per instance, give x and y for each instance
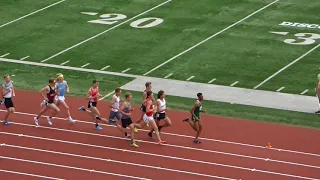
(157, 155)
(212, 80)
(27, 174)
(64, 63)
(285, 67)
(106, 67)
(115, 161)
(214, 35)
(31, 13)
(191, 77)
(305, 91)
(233, 84)
(85, 65)
(70, 167)
(90, 13)
(109, 94)
(97, 35)
(5, 55)
(24, 58)
(170, 145)
(280, 89)
(125, 70)
(191, 137)
(167, 76)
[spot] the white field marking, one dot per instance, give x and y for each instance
(156, 155)
(191, 77)
(214, 35)
(285, 67)
(167, 76)
(125, 70)
(85, 65)
(71, 167)
(5, 55)
(69, 68)
(169, 145)
(234, 83)
(280, 33)
(186, 136)
(64, 63)
(90, 13)
(31, 13)
(26, 174)
(211, 81)
(24, 58)
(97, 35)
(109, 94)
(280, 89)
(305, 91)
(105, 68)
(115, 161)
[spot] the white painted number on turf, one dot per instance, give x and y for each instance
(143, 21)
(308, 38)
(114, 18)
(109, 19)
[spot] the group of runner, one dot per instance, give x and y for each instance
(152, 114)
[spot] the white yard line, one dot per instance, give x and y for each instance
(285, 67)
(85, 65)
(167, 76)
(114, 161)
(212, 80)
(125, 70)
(24, 58)
(305, 91)
(64, 63)
(214, 35)
(31, 13)
(70, 167)
(191, 77)
(84, 41)
(5, 55)
(156, 155)
(233, 84)
(105, 68)
(177, 135)
(280, 89)
(27, 174)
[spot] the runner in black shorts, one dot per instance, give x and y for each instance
(143, 106)
(7, 94)
(125, 110)
(318, 92)
(161, 113)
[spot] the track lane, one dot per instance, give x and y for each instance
(6, 174)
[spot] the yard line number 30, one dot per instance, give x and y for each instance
(308, 38)
(140, 23)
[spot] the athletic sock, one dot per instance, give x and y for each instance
(98, 118)
(97, 124)
(132, 141)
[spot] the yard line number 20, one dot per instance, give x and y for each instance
(140, 23)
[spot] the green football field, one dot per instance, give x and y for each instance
(263, 44)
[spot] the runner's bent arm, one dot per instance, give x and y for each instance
(149, 104)
(123, 105)
(44, 90)
(88, 95)
(144, 97)
(158, 107)
(3, 91)
(67, 87)
(114, 100)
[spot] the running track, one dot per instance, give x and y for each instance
(232, 149)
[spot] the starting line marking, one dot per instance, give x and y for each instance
(280, 89)
(158, 155)
(5, 55)
(24, 58)
(191, 137)
(115, 161)
(85, 65)
(27, 174)
(105, 68)
(212, 80)
(64, 63)
(125, 70)
(233, 84)
(191, 77)
(31, 13)
(167, 76)
(68, 167)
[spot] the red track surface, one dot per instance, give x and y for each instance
(66, 151)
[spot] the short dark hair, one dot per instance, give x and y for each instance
(199, 94)
(51, 80)
(148, 84)
(149, 93)
(94, 81)
(128, 94)
(117, 90)
(5, 76)
(160, 93)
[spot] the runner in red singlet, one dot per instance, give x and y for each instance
(148, 116)
(93, 95)
(48, 93)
